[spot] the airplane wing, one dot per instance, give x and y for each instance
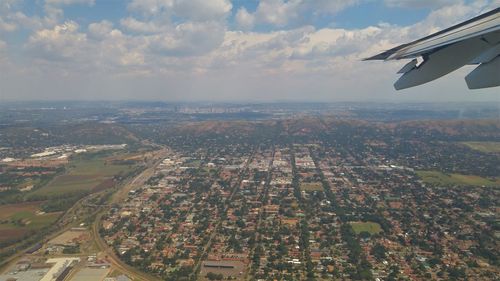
(476, 41)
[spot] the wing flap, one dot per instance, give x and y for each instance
(486, 23)
(485, 76)
(442, 62)
(476, 41)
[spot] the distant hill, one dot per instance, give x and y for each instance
(452, 129)
(85, 133)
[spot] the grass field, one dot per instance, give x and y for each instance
(19, 219)
(83, 175)
(484, 146)
(311, 186)
(370, 227)
(439, 178)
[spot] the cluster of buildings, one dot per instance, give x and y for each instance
(61, 152)
(302, 211)
(53, 269)
(26, 172)
(406, 228)
(165, 226)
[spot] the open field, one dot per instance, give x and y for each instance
(484, 146)
(83, 175)
(370, 227)
(435, 177)
(91, 274)
(17, 220)
(311, 186)
(70, 236)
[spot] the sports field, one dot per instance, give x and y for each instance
(484, 146)
(370, 227)
(311, 186)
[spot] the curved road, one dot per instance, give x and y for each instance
(133, 273)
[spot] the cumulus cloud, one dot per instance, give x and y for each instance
(202, 10)
(70, 2)
(134, 25)
(3, 56)
(191, 10)
(178, 41)
(59, 43)
(149, 7)
(244, 19)
(52, 16)
(7, 26)
(6, 8)
(188, 39)
(419, 3)
(7, 5)
(444, 17)
(99, 30)
(277, 12)
(181, 28)
(199, 44)
(281, 13)
(3, 45)
(331, 6)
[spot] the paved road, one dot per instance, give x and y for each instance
(207, 246)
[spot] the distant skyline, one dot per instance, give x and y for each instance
(222, 50)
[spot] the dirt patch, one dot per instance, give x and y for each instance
(109, 183)
(6, 211)
(70, 237)
(71, 178)
(12, 234)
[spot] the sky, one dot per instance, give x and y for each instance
(222, 50)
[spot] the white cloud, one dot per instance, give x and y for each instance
(158, 45)
(444, 17)
(99, 30)
(189, 10)
(149, 7)
(277, 12)
(199, 25)
(7, 26)
(138, 26)
(59, 43)
(419, 3)
(188, 39)
(4, 58)
(3, 45)
(281, 13)
(52, 17)
(70, 2)
(244, 19)
(163, 43)
(202, 10)
(6, 8)
(331, 6)
(8, 5)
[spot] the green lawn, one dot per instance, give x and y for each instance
(484, 146)
(34, 221)
(83, 175)
(311, 186)
(19, 219)
(439, 178)
(370, 227)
